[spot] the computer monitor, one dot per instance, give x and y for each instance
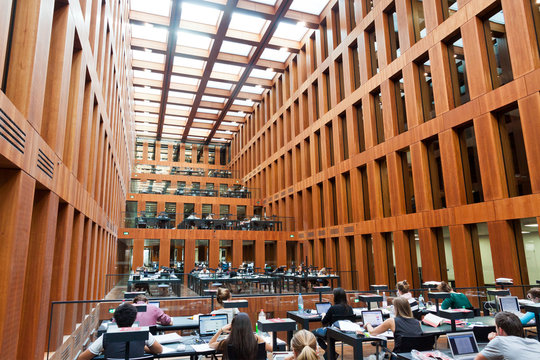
(373, 317)
(155, 303)
(132, 294)
(322, 307)
(210, 324)
(462, 343)
(509, 303)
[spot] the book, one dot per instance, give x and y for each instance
(347, 325)
(432, 320)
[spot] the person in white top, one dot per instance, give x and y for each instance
(403, 292)
(508, 342)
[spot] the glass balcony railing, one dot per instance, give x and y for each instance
(185, 171)
(233, 192)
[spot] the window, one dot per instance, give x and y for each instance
(201, 252)
(426, 88)
(151, 151)
(134, 185)
(340, 85)
(378, 115)
(321, 203)
(164, 152)
(336, 36)
(535, 9)
(355, 65)
(373, 62)
(188, 153)
(188, 209)
(211, 154)
(270, 252)
(497, 46)
(365, 192)
(391, 16)
(200, 154)
(408, 183)
(344, 135)
(326, 91)
(206, 210)
(480, 240)
(226, 251)
(319, 150)
(139, 151)
(248, 251)
(359, 122)
(330, 137)
(224, 211)
(514, 155)
(177, 254)
(151, 208)
(323, 29)
(334, 205)
(240, 212)
(531, 245)
(449, 7)
(399, 95)
(433, 153)
(348, 198)
(470, 164)
(419, 22)
(458, 70)
(350, 12)
(385, 188)
(170, 209)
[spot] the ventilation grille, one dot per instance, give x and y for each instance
(11, 132)
(334, 231)
(349, 229)
(45, 164)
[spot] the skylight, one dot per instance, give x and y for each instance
(252, 89)
(235, 48)
(227, 69)
(182, 95)
(213, 99)
(290, 31)
(144, 90)
(186, 38)
(147, 75)
(184, 80)
(247, 23)
(262, 74)
(219, 85)
(200, 14)
(247, 102)
(157, 7)
(207, 111)
(149, 32)
(148, 56)
(187, 62)
(275, 55)
(267, 2)
(314, 7)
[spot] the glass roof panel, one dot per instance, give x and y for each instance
(148, 56)
(262, 74)
(147, 74)
(219, 85)
(186, 38)
(158, 7)
(146, 90)
(204, 121)
(247, 102)
(207, 111)
(182, 95)
(275, 55)
(252, 89)
(213, 99)
(267, 2)
(235, 48)
(227, 69)
(149, 32)
(290, 31)
(188, 62)
(247, 23)
(178, 107)
(201, 14)
(314, 7)
(184, 80)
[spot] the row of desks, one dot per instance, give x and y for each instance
(200, 283)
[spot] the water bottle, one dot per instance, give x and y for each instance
(421, 304)
(262, 316)
(300, 303)
(384, 302)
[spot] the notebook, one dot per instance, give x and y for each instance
(322, 307)
(463, 345)
(209, 325)
(373, 317)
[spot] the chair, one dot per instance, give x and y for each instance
(129, 344)
(261, 352)
(424, 342)
(481, 333)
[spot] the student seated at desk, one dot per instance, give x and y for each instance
(221, 296)
(124, 315)
(304, 346)
(508, 342)
(153, 314)
(338, 311)
(404, 324)
(456, 300)
(241, 344)
(402, 288)
(534, 295)
(204, 270)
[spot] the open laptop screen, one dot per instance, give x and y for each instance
(462, 343)
(509, 303)
(373, 317)
(322, 307)
(155, 303)
(210, 324)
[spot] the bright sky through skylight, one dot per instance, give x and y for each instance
(158, 7)
(290, 31)
(252, 89)
(200, 14)
(186, 38)
(226, 68)
(309, 6)
(184, 80)
(267, 2)
(262, 74)
(148, 56)
(187, 62)
(247, 23)
(275, 55)
(230, 47)
(147, 75)
(219, 85)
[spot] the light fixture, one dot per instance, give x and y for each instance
(532, 225)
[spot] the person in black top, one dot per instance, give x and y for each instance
(339, 311)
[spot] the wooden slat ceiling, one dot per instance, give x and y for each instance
(199, 66)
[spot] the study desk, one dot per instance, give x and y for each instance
(304, 280)
(179, 323)
(303, 319)
(198, 284)
(408, 355)
(174, 283)
(349, 338)
(447, 328)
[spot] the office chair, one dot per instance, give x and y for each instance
(423, 342)
(131, 344)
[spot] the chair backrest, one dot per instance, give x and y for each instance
(481, 333)
(232, 354)
(420, 343)
(117, 350)
(146, 357)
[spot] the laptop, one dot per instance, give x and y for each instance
(510, 304)
(209, 325)
(155, 303)
(373, 317)
(463, 345)
(322, 307)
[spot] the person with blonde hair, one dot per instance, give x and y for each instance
(403, 324)
(304, 345)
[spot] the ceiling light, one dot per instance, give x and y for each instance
(532, 225)
(269, 69)
(303, 23)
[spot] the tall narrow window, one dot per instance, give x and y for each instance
(391, 16)
(211, 154)
(152, 151)
(408, 184)
(435, 172)
(334, 204)
(365, 192)
(188, 153)
(497, 46)
(426, 88)
(458, 70)
(319, 150)
(164, 152)
(321, 203)
(368, 240)
(330, 136)
(385, 188)
(326, 91)
(378, 116)
(324, 39)
(352, 260)
(344, 135)
(470, 163)
(514, 154)
(313, 46)
(316, 97)
(531, 245)
(535, 9)
(359, 123)
(354, 65)
(419, 21)
(336, 36)
(351, 10)
(449, 7)
(399, 95)
(340, 85)
(348, 198)
(372, 55)
(390, 258)
(368, 4)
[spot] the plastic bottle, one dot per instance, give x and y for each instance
(384, 302)
(300, 303)
(421, 304)
(262, 316)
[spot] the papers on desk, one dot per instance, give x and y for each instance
(347, 325)
(167, 349)
(168, 338)
(201, 347)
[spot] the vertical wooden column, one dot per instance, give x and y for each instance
(466, 257)
(476, 57)
(214, 259)
(74, 263)
(454, 185)
(429, 251)
(405, 24)
(406, 262)
(138, 253)
(395, 179)
(259, 253)
(440, 72)
(237, 252)
(412, 85)
(17, 190)
(281, 255)
(529, 108)
(380, 259)
(189, 254)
